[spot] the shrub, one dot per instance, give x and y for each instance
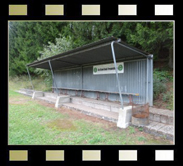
(168, 97)
(159, 82)
(158, 87)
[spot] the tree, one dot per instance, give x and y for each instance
(26, 39)
(61, 44)
(153, 37)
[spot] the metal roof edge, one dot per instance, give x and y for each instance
(94, 45)
(86, 46)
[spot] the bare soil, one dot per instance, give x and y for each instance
(109, 126)
(21, 101)
(61, 124)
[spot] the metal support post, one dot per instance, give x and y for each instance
(53, 77)
(30, 77)
(147, 82)
(114, 59)
(151, 60)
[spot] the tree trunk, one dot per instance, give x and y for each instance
(170, 63)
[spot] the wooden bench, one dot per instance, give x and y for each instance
(98, 93)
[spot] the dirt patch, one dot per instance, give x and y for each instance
(108, 126)
(74, 115)
(21, 101)
(62, 124)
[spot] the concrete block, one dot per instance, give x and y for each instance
(28, 91)
(50, 95)
(124, 117)
(102, 107)
(157, 118)
(88, 104)
(151, 116)
(62, 99)
(114, 109)
(170, 120)
(76, 101)
(167, 129)
(37, 94)
(164, 119)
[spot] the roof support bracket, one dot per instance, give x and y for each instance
(53, 77)
(117, 78)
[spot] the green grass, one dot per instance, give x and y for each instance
(31, 123)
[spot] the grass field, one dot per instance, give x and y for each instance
(33, 122)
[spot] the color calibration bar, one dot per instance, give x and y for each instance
(90, 10)
(91, 155)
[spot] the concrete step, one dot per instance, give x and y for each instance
(84, 106)
(161, 115)
(157, 115)
(24, 92)
(160, 129)
(102, 114)
(97, 104)
(154, 128)
(47, 99)
(50, 95)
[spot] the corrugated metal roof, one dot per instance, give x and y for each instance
(92, 53)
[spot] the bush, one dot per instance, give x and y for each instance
(158, 87)
(160, 78)
(162, 75)
(168, 97)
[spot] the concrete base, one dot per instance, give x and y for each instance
(62, 99)
(124, 117)
(37, 94)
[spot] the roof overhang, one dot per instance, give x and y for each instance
(97, 52)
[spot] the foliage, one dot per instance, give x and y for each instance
(159, 85)
(61, 44)
(141, 138)
(18, 82)
(162, 75)
(140, 129)
(131, 130)
(160, 78)
(153, 37)
(27, 39)
(168, 97)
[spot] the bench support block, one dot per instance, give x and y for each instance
(124, 117)
(37, 94)
(62, 99)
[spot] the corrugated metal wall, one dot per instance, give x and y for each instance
(133, 80)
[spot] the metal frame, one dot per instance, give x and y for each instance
(151, 61)
(53, 77)
(30, 77)
(133, 50)
(147, 82)
(114, 59)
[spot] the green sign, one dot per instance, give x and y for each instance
(108, 68)
(95, 69)
(120, 67)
